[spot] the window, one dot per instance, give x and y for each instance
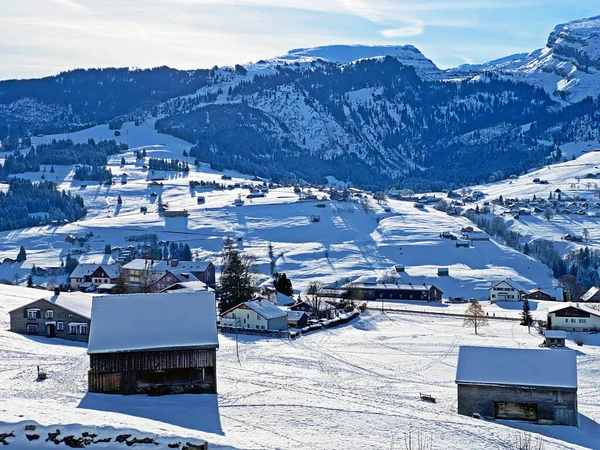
(83, 329)
(32, 328)
(248, 316)
(582, 320)
(32, 313)
(78, 328)
(72, 329)
(256, 326)
(573, 320)
(257, 317)
(60, 326)
(262, 327)
(49, 314)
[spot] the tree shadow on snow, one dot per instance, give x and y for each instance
(586, 435)
(195, 412)
(517, 305)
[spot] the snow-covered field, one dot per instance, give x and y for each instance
(356, 386)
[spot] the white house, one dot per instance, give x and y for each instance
(573, 317)
(255, 315)
(507, 290)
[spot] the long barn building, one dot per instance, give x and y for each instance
(153, 344)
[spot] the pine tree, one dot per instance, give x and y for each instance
(526, 318)
(70, 264)
(107, 249)
(236, 283)
(283, 284)
(52, 169)
(119, 200)
(186, 253)
(122, 161)
(22, 256)
(526, 249)
(121, 286)
(29, 281)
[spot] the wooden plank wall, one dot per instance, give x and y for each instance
(160, 360)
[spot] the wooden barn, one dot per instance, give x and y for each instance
(154, 344)
(390, 291)
(539, 294)
(518, 384)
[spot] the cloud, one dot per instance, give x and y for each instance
(405, 31)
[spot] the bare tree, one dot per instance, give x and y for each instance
(146, 277)
(568, 283)
(586, 234)
(548, 213)
(314, 296)
(474, 316)
(417, 441)
(579, 338)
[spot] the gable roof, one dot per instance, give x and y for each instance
(555, 334)
(188, 286)
(83, 270)
(264, 308)
(296, 315)
(590, 293)
(512, 283)
(517, 367)
(562, 306)
(145, 322)
(79, 303)
(183, 266)
(284, 300)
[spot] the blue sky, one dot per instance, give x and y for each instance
(43, 37)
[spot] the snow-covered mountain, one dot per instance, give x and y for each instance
(344, 54)
(374, 116)
(568, 68)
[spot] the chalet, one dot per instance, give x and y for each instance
(139, 272)
(255, 315)
(297, 319)
(476, 236)
(555, 338)
(592, 295)
(65, 316)
(169, 348)
(539, 294)
(390, 291)
(93, 275)
(539, 386)
(203, 270)
(573, 317)
(161, 281)
(507, 290)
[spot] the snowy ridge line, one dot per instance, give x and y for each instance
(415, 311)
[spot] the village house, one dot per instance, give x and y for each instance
(518, 384)
(297, 319)
(573, 317)
(92, 275)
(255, 315)
(188, 286)
(143, 273)
(507, 290)
(65, 316)
(591, 295)
(169, 348)
(539, 294)
(325, 310)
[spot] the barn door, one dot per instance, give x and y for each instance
(564, 417)
(516, 411)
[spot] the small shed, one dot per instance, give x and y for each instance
(518, 384)
(443, 272)
(555, 338)
(154, 344)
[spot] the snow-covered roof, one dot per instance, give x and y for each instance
(555, 334)
(138, 322)
(84, 270)
(295, 315)
(265, 309)
(555, 308)
(590, 293)
(188, 286)
(196, 266)
(517, 367)
(284, 300)
(77, 302)
(392, 286)
(138, 264)
(512, 283)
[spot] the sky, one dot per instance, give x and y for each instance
(43, 37)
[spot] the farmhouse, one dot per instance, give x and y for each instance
(518, 384)
(325, 310)
(390, 291)
(573, 317)
(141, 273)
(592, 295)
(66, 316)
(203, 270)
(539, 294)
(507, 290)
(255, 315)
(170, 346)
(93, 275)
